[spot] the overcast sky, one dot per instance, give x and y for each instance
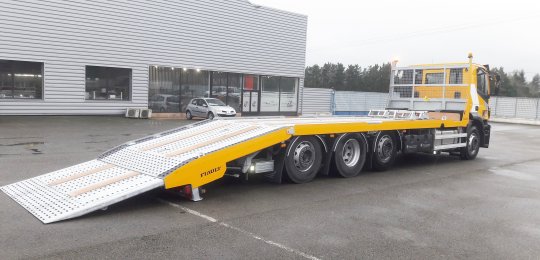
(499, 33)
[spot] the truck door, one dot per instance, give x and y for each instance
(482, 87)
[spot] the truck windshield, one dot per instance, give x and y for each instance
(215, 102)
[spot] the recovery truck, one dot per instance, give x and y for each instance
(432, 109)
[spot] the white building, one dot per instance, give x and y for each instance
(101, 57)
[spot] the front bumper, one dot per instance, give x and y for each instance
(487, 135)
(226, 115)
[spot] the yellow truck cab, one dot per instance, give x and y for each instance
(448, 82)
(460, 89)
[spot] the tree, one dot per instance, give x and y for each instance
(328, 72)
(535, 85)
(338, 81)
(352, 77)
(376, 78)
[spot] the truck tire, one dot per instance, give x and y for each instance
(303, 159)
(384, 151)
(470, 151)
(350, 155)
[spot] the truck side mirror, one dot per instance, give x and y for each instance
(497, 84)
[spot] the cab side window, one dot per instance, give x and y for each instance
(481, 78)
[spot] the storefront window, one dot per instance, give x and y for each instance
(270, 94)
(250, 96)
(195, 84)
(171, 89)
(279, 94)
(219, 85)
(251, 82)
(21, 80)
(107, 83)
(233, 91)
(288, 94)
(164, 89)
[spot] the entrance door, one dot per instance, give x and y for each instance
(251, 94)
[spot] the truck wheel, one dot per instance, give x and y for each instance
(385, 151)
(470, 151)
(350, 155)
(188, 115)
(303, 159)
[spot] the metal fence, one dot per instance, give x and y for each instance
(357, 103)
(317, 101)
(325, 101)
(515, 107)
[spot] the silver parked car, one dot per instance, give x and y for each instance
(208, 108)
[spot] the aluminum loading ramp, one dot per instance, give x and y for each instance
(127, 170)
(177, 157)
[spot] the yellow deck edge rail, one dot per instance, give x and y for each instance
(212, 166)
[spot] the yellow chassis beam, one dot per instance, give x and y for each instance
(211, 167)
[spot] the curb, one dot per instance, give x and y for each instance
(515, 121)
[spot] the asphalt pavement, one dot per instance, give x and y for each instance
(426, 207)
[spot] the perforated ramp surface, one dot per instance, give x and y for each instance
(127, 170)
(78, 190)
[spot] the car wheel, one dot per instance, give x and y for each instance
(188, 115)
(210, 115)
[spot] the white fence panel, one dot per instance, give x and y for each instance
(526, 108)
(316, 101)
(506, 107)
(355, 101)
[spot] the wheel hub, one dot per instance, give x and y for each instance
(304, 156)
(351, 152)
(385, 148)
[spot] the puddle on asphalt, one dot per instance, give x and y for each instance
(36, 151)
(513, 174)
(25, 143)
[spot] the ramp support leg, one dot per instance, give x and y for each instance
(195, 195)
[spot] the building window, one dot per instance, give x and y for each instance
(226, 87)
(195, 84)
(270, 94)
(21, 80)
(107, 83)
(288, 94)
(279, 94)
(171, 89)
(251, 82)
(164, 89)
(250, 94)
